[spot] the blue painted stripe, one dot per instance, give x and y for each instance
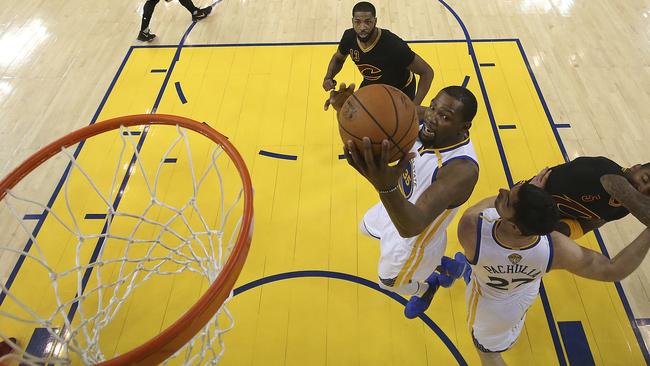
(576, 344)
(127, 176)
(465, 81)
(315, 43)
(562, 125)
(543, 101)
(507, 127)
(59, 186)
(341, 156)
(33, 217)
(642, 321)
(361, 281)
(277, 155)
(170, 160)
(179, 91)
(626, 304)
(132, 133)
(599, 239)
(545, 301)
(158, 70)
(95, 216)
(487, 65)
(39, 342)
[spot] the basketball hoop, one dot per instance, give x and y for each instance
(196, 229)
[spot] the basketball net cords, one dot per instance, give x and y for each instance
(209, 262)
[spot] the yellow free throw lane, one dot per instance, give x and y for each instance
(270, 98)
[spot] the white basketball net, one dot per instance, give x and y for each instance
(168, 227)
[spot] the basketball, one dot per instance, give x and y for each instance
(379, 112)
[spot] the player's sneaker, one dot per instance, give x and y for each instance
(418, 305)
(201, 13)
(467, 271)
(145, 36)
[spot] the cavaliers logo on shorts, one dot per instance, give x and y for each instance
(514, 258)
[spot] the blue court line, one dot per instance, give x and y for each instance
(575, 343)
(170, 160)
(158, 70)
(545, 301)
(642, 321)
(507, 127)
(465, 81)
(127, 176)
(277, 155)
(95, 216)
(341, 156)
(562, 125)
(487, 64)
(33, 217)
(131, 133)
(179, 91)
(315, 43)
(599, 238)
(59, 186)
(357, 280)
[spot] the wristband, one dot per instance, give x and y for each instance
(389, 190)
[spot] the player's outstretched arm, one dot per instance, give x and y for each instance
(636, 202)
(425, 72)
(590, 264)
(333, 68)
(453, 186)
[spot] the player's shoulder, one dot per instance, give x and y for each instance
(388, 34)
(348, 35)
(347, 38)
(461, 167)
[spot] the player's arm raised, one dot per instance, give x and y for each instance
(425, 72)
(636, 202)
(590, 264)
(454, 184)
(333, 68)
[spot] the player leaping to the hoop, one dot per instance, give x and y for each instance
(420, 195)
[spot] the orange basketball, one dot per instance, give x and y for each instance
(380, 112)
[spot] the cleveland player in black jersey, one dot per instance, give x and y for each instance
(590, 191)
(381, 56)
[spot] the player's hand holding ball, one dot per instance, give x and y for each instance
(378, 170)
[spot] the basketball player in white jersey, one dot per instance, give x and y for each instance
(510, 246)
(420, 195)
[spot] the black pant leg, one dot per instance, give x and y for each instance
(147, 12)
(189, 5)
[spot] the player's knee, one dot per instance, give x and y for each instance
(387, 283)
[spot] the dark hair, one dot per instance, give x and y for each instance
(466, 97)
(364, 6)
(646, 165)
(535, 211)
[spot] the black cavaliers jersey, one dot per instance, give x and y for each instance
(385, 61)
(577, 190)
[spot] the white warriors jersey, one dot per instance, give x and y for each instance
(502, 272)
(421, 172)
(414, 258)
